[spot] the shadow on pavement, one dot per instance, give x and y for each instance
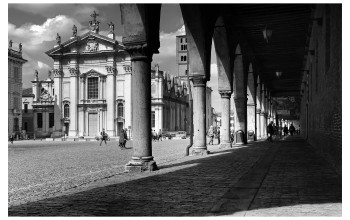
(192, 188)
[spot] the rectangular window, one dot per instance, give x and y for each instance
(25, 108)
(93, 88)
(153, 119)
(40, 120)
(51, 120)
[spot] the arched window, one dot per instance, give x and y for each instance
(184, 58)
(66, 111)
(120, 110)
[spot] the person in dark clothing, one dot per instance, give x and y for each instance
(122, 139)
(11, 138)
(218, 135)
(285, 130)
(270, 131)
(104, 136)
(291, 129)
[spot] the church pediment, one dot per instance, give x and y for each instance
(87, 43)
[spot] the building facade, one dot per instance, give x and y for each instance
(92, 88)
(169, 102)
(28, 112)
(15, 63)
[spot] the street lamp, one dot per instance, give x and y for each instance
(278, 74)
(267, 33)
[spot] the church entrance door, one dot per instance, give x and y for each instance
(93, 124)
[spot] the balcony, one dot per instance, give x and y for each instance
(93, 102)
(43, 103)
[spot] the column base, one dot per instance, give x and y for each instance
(140, 166)
(199, 152)
(225, 145)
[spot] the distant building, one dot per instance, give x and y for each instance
(28, 112)
(181, 56)
(182, 61)
(15, 63)
(169, 102)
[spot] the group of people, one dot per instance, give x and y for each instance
(272, 129)
(212, 132)
(123, 137)
(157, 136)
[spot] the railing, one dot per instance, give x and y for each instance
(93, 101)
(44, 102)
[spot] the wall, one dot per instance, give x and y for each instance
(321, 104)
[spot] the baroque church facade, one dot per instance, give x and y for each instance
(92, 88)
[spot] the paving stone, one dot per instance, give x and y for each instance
(262, 179)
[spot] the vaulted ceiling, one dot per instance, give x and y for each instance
(286, 49)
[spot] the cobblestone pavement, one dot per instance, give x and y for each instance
(282, 178)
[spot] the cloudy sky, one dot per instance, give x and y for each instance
(36, 26)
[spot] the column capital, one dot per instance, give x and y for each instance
(139, 51)
(111, 70)
(225, 94)
(57, 73)
(199, 80)
(258, 111)
(74, 71)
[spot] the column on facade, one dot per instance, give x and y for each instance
(225, 119)
(199, 116)
(110, 98)
(58, 110)
(81, 109)
(73, 97)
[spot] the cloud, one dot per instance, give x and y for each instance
(37, 39)
(168, 42)
(79, 11)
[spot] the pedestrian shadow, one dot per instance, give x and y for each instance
(193, 188)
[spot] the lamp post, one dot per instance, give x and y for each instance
(267, 33)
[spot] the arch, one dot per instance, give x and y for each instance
(251, 86)
(223, 58)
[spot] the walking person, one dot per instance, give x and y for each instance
(218, 134)
(285, 130)
(270, 131)
(104, 136)
(11, 138)
(211, 134)
(122, 139)
(291, 129)
(160, 135)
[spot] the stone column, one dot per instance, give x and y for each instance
(142, 158)
(225, 119)
(110, 98)
(199, 116)
(262, 121)
(258, 126)
(73, 107)
(240, 119)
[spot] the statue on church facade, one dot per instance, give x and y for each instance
(36, 77)
(58, 39)
(20, 47)
(111, 27)
(75, 31)
(10, 44)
